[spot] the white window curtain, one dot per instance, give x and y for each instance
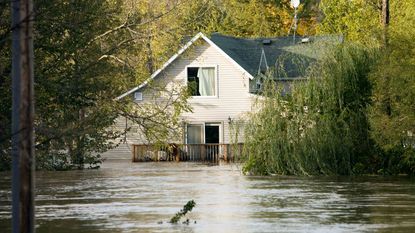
(194, 134)
(206, 81)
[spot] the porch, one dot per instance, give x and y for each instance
(211, 152)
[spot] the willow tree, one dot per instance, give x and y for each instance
(321, 126)
(390, 29)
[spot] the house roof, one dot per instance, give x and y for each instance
(289, 57)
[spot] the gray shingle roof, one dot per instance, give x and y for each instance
(290, 59)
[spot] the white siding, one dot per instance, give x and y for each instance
(123, 150)
(233, 99)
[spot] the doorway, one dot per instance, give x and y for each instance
(208, 133)
(202, 140)
(212, 133)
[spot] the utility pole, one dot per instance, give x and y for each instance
(294, 4)
(22, 117)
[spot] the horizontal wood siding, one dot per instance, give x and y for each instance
(124, 149)
(233, 98)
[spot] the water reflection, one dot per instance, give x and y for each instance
(125, 197)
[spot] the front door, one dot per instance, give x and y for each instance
(211, 133)
(212, 141)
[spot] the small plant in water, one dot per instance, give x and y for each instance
(186, 208)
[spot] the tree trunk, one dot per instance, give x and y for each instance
(385, 20)
(385, 24)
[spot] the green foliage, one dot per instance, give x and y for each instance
(393, 109)
(159, 119)
(321, 128)
(5, 161)
(75, 83)
(356, 20)
(88, 52)
(397, 160)
(251, 18)
(5, 86)
(186, 208)
(53, 162)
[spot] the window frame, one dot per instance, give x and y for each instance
(136, 94)
(216, 67)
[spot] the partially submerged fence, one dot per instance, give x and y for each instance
(187, 152)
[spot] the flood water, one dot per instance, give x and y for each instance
(126, 197)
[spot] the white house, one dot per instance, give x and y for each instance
(223, 72)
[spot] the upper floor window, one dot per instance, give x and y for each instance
(201, 81)
(138, 96)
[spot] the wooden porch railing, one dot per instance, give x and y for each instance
(186, 152)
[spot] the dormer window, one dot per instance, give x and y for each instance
(258, 84)
(201, 81)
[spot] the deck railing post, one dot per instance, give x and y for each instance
(203, 151)
(225, 152)
(181, 153)
(187, 152)
(217, 147)
(134, 152)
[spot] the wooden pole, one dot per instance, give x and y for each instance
(225, 152)
(22, 117)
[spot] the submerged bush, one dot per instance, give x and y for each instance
(5, 160)
(321, 127)
(186, 208)
(397, 160)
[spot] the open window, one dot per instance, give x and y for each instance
(201, 81)
(256, 85)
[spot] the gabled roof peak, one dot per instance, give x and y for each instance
(247, 53)
(176, 55)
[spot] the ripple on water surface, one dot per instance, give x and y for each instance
(127, 197)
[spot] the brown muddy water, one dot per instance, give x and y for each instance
(126, 197)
